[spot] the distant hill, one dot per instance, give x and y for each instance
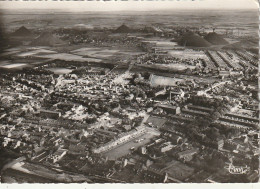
(215, 39)
(22, 32)
(122, 29)
(191, 39)
(47, 39)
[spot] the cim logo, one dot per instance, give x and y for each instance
(237, 169)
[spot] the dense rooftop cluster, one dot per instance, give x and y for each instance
(153, 116)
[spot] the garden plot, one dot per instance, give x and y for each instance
(60, 70)
(34, 52)
(179, 67)
(69, 57)
(9, 66)
(95, 52)
(187, 54)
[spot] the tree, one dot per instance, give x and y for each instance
(213, 133)
(234, 132)
(188, 71)
(203, 122)
(103, 72)
(216, 115)
(214, 161)
(146, 75)
(255, 163)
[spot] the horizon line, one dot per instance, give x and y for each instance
(179, 9)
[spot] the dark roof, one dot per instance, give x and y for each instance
(188, 152)
(215, 39)
(193, 40)
(156, 121)
(166, 106)
(200, 108)
(48, 111)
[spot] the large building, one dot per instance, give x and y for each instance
(170, 109)
(122, 138)
(49, 114)
(187, 155)
(173, 171)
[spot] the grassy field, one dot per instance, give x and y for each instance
(94, 52)
(60, 70)
(13, 65)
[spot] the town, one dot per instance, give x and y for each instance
(152, 104)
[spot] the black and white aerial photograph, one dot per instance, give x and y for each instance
(129, 91)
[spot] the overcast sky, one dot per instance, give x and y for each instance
(130, 5)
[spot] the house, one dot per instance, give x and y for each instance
(127, 127)
(49, 114)
(175, 139)
(187, 155)
(58, 155)
(142, 150)
(200, 108)
(229, 145)
(237, 144)
(195, 112)
(170, 109)
(244, 117)
(220, 144)
(217, 144)
(37, 151)
(224, 73)
(166, 147)
(155, 121)
(176, 171)
(121, 138)
(76, 149)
